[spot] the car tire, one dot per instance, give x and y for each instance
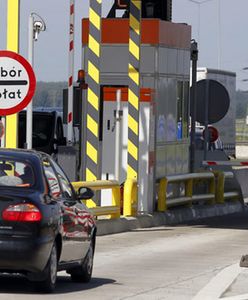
(48, 284)
(83, 273)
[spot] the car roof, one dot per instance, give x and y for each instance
(21, 153)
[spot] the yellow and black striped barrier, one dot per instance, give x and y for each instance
(93, 96)
(134, 89)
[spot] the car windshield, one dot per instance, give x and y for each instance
(14, 172)
(42, 129)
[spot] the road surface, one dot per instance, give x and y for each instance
(191, 261)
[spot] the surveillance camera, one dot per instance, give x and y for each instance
(39, 26)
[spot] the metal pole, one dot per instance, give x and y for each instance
(117, 135)
(13, 18)
(70, 75)
(219, 36)
(193, 96)
(206, 135)
(29, 118)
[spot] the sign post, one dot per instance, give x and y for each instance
(17, 83)
(13, 18)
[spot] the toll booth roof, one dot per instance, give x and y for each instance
(153, 32)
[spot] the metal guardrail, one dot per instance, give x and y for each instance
(114, 210)
(214, 194)
(188, 198)
(130, 197)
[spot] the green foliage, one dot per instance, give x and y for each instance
(49, 94)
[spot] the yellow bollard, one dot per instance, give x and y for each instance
(162, 206)
(130, 197)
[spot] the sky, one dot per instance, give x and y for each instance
(221, 34)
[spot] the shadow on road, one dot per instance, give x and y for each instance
(20, 285)
(230, 221)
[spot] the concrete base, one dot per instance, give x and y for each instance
(171, 217)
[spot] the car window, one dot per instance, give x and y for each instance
(64, 182)
(14, 172)
(51, 179)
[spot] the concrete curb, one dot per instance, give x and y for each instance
(171, 217)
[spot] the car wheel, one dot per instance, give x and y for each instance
(48, 284)
(83, 273)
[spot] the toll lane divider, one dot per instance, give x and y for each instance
(215, 189)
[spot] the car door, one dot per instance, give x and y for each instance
(76, 221)
(67, 211)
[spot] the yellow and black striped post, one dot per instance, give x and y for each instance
(134, 89)
(93, 96)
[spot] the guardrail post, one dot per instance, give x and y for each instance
(189, 189)
(211, 190)
(219, 192)
(162, 206)
(116, 196)
(130, 197)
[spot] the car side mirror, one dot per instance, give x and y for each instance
(85, 193)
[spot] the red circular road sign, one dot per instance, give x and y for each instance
(17, 83)
(213, 134)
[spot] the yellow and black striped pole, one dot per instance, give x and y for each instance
(93, 96)
(12, 45)
(134, 89)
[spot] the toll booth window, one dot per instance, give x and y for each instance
(16, 173)
(186, 109)
(182, 109)
(52, 179)
(179, 110)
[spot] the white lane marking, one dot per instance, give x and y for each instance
(218, 284)
(239, 297)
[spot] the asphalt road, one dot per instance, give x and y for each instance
(191, 261)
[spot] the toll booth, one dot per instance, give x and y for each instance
(164, 100)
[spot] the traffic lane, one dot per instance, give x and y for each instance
(181, 259)
(154, 263)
